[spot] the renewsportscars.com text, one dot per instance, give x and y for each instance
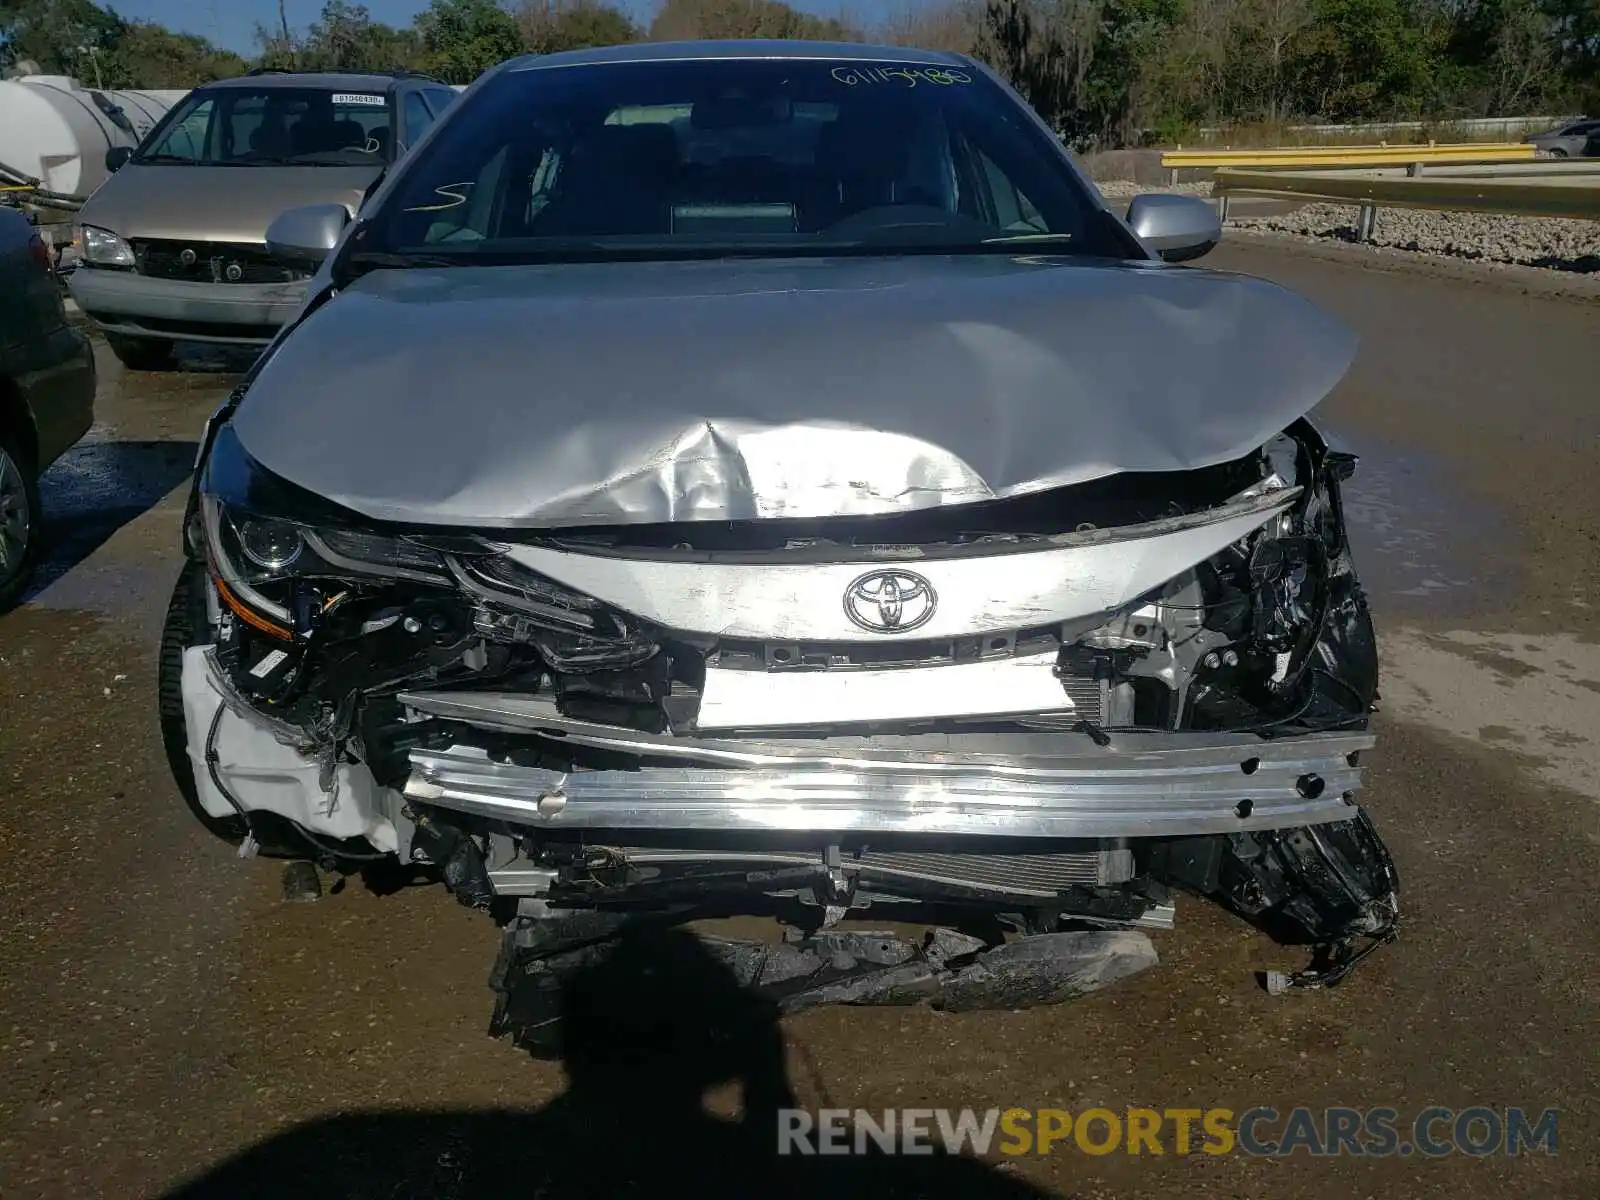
(1431, 1132)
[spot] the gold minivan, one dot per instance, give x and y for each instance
(173, 244)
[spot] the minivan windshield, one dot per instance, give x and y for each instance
(273, 126)
(744, 155)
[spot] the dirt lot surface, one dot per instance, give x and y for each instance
(161, 1009)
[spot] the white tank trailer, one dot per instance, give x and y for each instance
(54, 133)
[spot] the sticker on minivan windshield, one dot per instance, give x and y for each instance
(356, 98)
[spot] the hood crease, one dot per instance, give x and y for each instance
(558, 396)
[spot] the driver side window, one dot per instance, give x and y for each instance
(187, 139)
(461, 211)
(417, 117)
(1007, 206)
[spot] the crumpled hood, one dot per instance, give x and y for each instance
(623, 393)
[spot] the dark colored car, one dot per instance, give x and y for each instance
(47, 382)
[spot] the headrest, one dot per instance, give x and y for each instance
(874, 148)
(630, 145)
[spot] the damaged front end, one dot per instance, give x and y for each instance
(1034, 716)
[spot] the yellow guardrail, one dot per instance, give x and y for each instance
(1559, 194)
(1349, 156)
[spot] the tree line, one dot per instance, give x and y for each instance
(1105, 72)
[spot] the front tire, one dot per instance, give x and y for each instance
(186, 626)
(19, 519)
(141, 354)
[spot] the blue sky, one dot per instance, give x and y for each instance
(230, 23)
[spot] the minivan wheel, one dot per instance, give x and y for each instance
(19, 519)
(185, 626)
(141, 354)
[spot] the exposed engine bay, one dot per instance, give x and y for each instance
(1019, 719)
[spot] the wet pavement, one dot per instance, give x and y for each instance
(161, 1008)
(1407, 514)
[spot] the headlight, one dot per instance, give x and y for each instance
(269, 544)
(102, 248)
(257, 560)
(264, 538)
(284, 561)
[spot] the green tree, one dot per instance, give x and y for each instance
(1115, 102)
(1038, 55)
(464, 38)
(63, 37)
(1103, 71)
(147, 55)
(93, 44)
(346, 38)
(1084, 65)
(1364, 59)
(744, 19)
(549, 26)
(1500, 56)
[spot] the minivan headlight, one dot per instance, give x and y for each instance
(102, 248)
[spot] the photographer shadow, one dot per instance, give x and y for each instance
(645, 1033)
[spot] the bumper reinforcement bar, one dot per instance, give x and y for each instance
(1158, 785)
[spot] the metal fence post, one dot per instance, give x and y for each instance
(1366, 220)
(1222, 207)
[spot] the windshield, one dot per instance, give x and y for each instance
(753, 156)
(272, 126)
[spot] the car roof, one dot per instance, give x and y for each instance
(335, 81)
(751, 48)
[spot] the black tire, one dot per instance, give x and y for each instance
(16, 565)
(185, 626)
(1557, 152)
(141, 354)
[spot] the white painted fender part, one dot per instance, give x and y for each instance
(262, 774)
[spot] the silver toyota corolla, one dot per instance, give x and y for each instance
(765, 477)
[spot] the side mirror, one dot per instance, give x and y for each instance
(304, 236)
(1177, 228)
(117, 155)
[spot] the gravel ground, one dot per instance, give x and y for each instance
(1123, 188)
(1530, 241)
(1525, 241)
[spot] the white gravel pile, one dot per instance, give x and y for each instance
(1530, 241)
(1119, 189)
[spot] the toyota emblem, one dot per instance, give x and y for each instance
(890, 601)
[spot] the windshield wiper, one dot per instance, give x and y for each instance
(363, 261)
(564, 251)
(1024, 238)
(168, 158)
(312, 159)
